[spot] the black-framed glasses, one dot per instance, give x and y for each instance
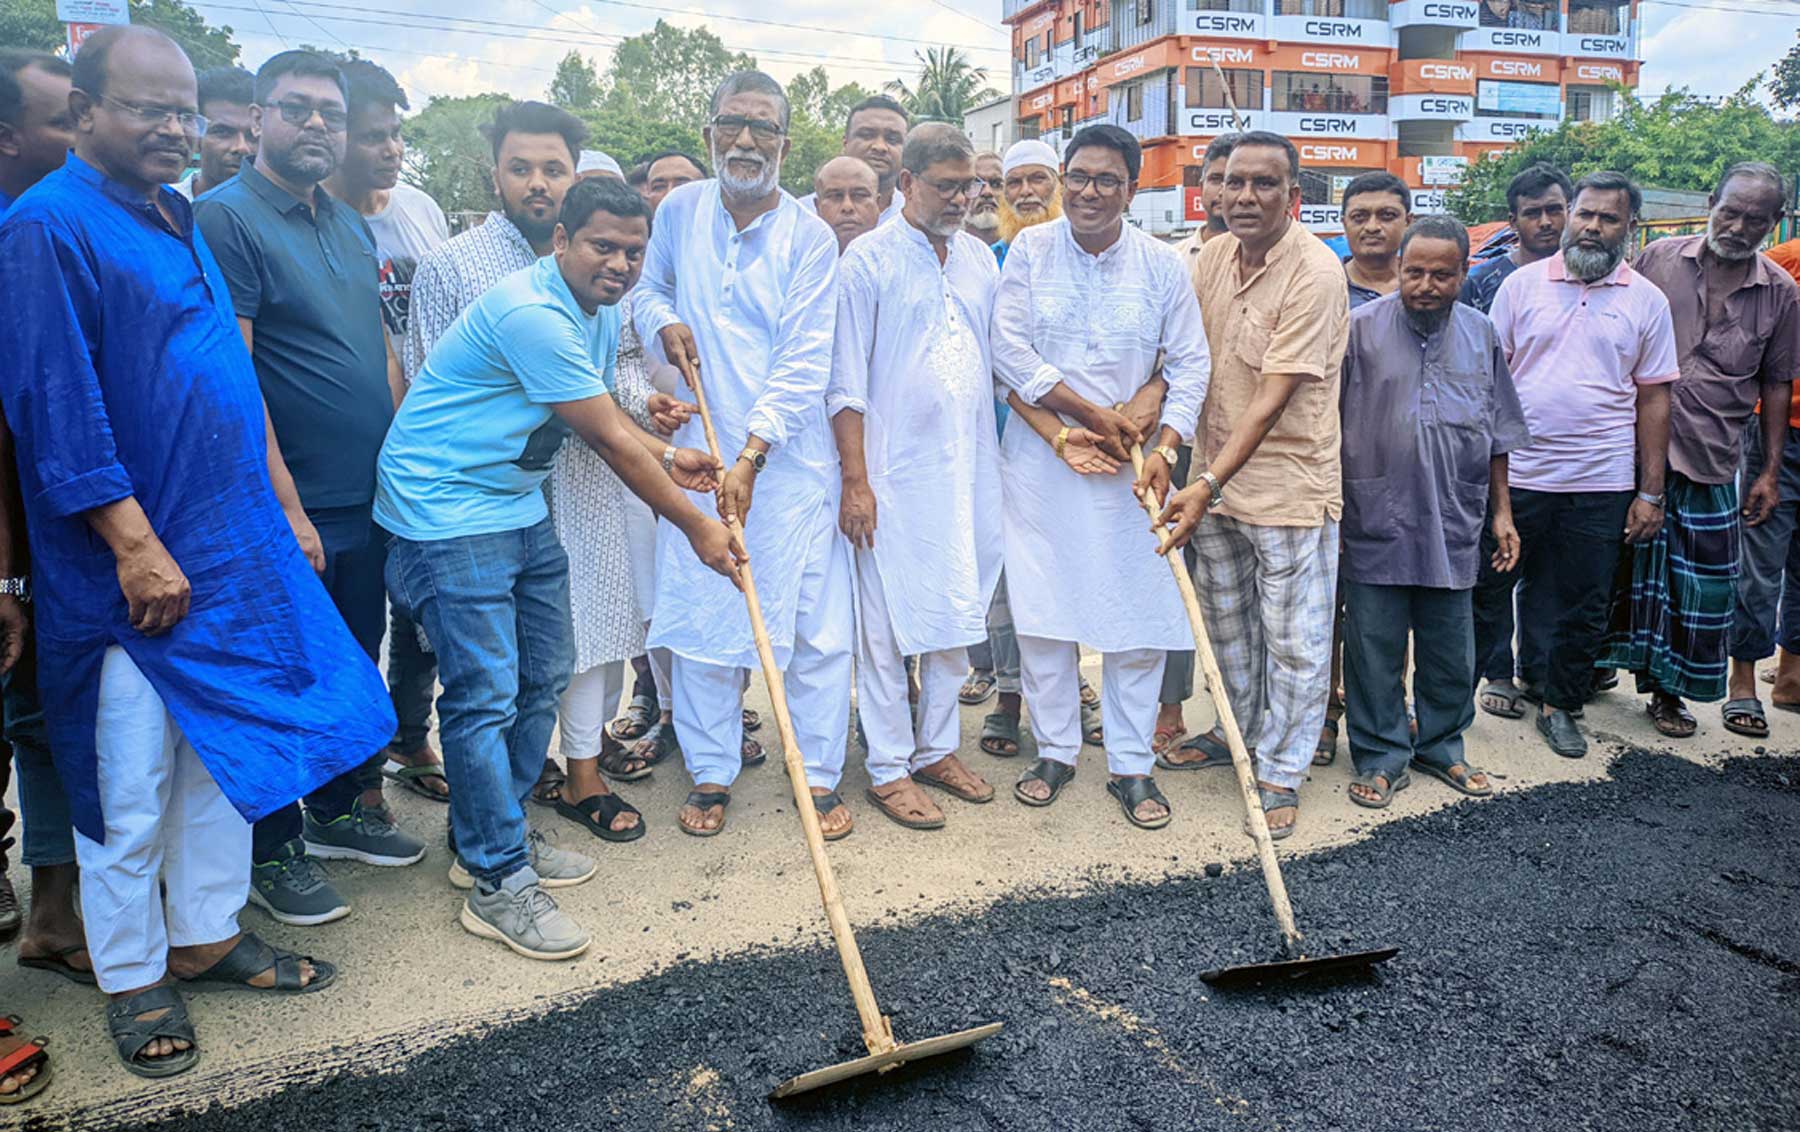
(1106, 183)
(298, 112)
(968, 188)
(156, 115)
(727, 127)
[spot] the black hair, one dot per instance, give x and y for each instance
(601, 194)
(660, 154)
(1107, 137)
(12, 61)
(638, 175)
(369, 85)
(876, 102)
(536, 118)
(1378, 182)
(1755, 170)
(1436, 227)
(933, 142)
(226, 84)
(1269, 140)
(1535, 181)
(303, 64)
(1219, 148)
(750, 82)
(1607, 181)
(87, 72)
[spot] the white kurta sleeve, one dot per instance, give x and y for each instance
(1187, 360)
(800, 363)
(653, 300)
(1016, 361)
(854, 338)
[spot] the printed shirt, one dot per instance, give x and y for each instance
(411, 225)
(455, 274)
(123, 374)
(1723, 366)
(476, 434)
(1578, 352)
(1429, 412)
(1290, 317)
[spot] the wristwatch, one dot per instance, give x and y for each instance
(758, 460)
(669, 459)
(1212, 484)
(19, 587)
(1655, 501)
(1168, 453)
(1062, 441)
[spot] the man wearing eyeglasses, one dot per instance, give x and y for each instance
(739, 290)
(1086, 306)
(983, 218)
(874, 131)
(226, 95)
(305, 280)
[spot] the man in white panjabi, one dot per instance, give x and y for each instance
(1085, 305)
(740, 288)
(912, 407)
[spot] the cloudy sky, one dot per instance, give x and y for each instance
(454, 47)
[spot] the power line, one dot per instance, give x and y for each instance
(973, 19)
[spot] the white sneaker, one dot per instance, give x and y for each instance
(556, 868)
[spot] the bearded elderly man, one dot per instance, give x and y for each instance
(740, 291)
(1736, 318)
(982, 220)
(1592, 352)
(912, 407)
(1031, 193)
(1086, 306)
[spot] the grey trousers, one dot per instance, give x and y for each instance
(1378, 621)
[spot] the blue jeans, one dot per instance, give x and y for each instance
(1769, 571)
(49, 838)
(355, 551)
(496, 609)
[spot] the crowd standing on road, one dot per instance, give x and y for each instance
(262, 413)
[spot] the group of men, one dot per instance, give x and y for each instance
(257, 434)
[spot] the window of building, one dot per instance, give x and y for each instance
(1532, 15)
(1205, 91)
(1353, 9)
(1078, 35)
(1496, 99)
(1592, 103)
(1031, 53)
(1068, 119)
(1599, 17)
(1326, 186)
(1315, 92)
(1134, 102)
(1224, 5)
(1143, 12)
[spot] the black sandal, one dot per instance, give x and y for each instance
(250, 958)
(1278, 800)
(657, 744)
(1093, 731)
(1051, 773)
(548, 788)
(752, 719)
(57, 963)
(1215, 752)
(1325, 750)
(752, 754)
(824, 804)
(705, 800)
(640, 714)
(596, 812)
(1134, 792)
(996, 728)
(1383, 797)
(130, 1035)
(615, 763)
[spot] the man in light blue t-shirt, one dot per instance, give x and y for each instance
(477, 564)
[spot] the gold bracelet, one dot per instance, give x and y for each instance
(1062, 439)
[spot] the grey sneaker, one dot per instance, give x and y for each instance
(555, 868)
(524, 917)
(292, 888)
(365, 834)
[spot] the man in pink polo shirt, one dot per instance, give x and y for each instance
(1592, 351)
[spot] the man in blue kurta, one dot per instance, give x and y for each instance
(194, 673)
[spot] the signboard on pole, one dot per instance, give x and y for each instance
(93, 11)
(78, 33)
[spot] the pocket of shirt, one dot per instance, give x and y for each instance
(1462, 402)
(1369, 509)
(1253, 340)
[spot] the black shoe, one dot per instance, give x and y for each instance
(1559, 730)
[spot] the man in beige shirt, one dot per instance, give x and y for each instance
(1277, 318)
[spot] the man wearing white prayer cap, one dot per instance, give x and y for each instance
(594, 163)
(1033, 193)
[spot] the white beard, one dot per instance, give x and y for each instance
(739, 189)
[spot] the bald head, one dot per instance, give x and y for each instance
(133, 88)
(847, 191)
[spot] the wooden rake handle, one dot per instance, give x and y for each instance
(1240, 756)
(878, 1032)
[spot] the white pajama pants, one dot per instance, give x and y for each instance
(895, 748)
(588, 703)
(660, 663)
(166, 821)
(1130, 685)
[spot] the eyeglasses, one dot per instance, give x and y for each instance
(156, 115)
(1105, 183)
(968, 188)
(298, 112)
(998, 184)
(727, 127)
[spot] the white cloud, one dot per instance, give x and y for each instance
(1709, 51)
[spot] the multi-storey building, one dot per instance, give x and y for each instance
(1416, 87)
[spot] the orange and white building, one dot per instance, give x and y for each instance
(1416, 87)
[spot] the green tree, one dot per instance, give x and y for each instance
(668, 74)
(446, 154)
(33, 24)
(949, 85)
(817, 129)
(630, 138)
(1784, 88)
(576, 85)
(1672, 141)
(811, 94)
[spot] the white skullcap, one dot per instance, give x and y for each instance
(1031, 151)
(593, 161)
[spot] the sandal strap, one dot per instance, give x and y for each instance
(1137, 791)
(607, 807)
(249, 958)
(827, 802)
(1049, 771)
(1277, 799)
(411, 773)
(707, 799)
(22, 1054)
(130, 1033)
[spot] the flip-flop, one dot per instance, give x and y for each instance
(1778, 705)
(1217, 754)
(57, 963)
(901, 817)
(1460, 785)
(1325, 750)
(596, 812)
(412, 777)
(1383, 798)
(1734, 712)
(978, 687)
(1505, 691)
(826, 803)
(705, 800)
(1134, 792)
(999, 727)
(1048, 771)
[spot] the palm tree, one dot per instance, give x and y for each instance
(948, 87)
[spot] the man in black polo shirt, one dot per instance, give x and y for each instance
(305, 282)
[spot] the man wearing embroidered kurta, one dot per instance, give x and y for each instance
(740, 291)
(1277, 316)
(912, 406)
(1085, 305)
